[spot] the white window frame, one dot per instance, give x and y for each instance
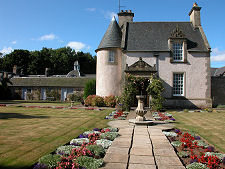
(178, 84)
(111, 57)
(178, 52)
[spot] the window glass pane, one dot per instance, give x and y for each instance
(111, 56)
(178, 84)
(178, 52)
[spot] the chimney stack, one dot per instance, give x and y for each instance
(195, 15)
(46, 72)
(125, 16)
(15, 69)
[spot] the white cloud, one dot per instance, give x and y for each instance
(48, 37)
(91, 9)
(6, 50)
(217, 55)
(14, 42)
(78, 46)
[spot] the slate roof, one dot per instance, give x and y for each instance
(112, 37)
(218, 71)
(153, 36)
(73, 73)
(49, 82)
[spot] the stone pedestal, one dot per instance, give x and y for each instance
(140, 111)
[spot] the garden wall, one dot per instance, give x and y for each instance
(218, 90)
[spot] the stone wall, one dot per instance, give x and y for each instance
(218, 90)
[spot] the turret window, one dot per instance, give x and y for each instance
(111, 56)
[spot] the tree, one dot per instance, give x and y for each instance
(4, 90)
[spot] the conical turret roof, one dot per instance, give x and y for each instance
(112, 37)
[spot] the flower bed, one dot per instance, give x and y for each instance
(194, 152)
(85, 151)
(117, 115)
(163, 116)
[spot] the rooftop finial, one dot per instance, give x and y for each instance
(195, 4)
(113, 19)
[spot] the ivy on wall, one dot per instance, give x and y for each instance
(142, 86)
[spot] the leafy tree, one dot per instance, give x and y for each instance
(59, 61)
(4, 90)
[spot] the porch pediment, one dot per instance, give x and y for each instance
(140, 68)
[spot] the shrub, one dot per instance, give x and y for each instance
(79, 141)
(218, 155)
(111, 129)
(90, 88)
(182, 154)
(155, 89)
(88, 100)
(196, 165)
(176, 143)
(98, 101)
(86, 133)
(109, 135)
(97, 150)
(89, 162)
(65, 150)
(201, 143)
(171, 134)
(93, 100)
(104, 143)
(77, 96)
(110, 101)
(50, 160)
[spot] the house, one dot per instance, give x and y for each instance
(45, 87)
(177, 52)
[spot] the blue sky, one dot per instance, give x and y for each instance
(33, 24)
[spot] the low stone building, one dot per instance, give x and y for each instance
(45, 87)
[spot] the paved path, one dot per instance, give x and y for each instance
(141, 147)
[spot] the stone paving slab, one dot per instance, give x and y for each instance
(121, 144)
(141, 151)
(170, 167)
(165, 152)
(163, 137)
(114, 166)
(168, 161)
(134, 159)
(116, 158)
(163, 146)
(155, 141)
(118, 150)
(141, 166)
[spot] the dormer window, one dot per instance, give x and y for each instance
(111, 57)
(178, 46)
(178, 52)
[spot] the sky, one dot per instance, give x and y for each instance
(81, 24)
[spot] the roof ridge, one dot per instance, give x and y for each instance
(162, 22)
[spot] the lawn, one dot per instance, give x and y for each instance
(39, 103)
(26, 134)
(210, 126)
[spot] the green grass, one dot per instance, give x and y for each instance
(38, 103)
(26, 134)
(210, 126)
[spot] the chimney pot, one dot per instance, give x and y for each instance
(125, 10)
(121, 10)
(129, 11)
(15, 69)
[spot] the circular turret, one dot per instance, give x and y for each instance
(109, 69)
